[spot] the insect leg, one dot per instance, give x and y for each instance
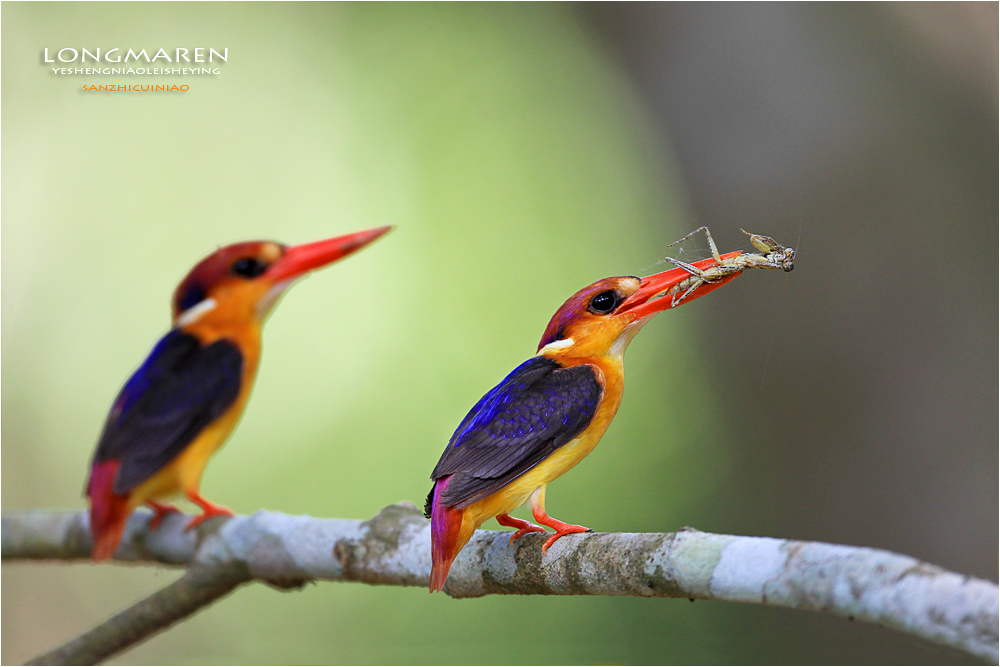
(696, 282)
(708, 235)
(693, 270)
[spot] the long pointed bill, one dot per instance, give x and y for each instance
(656, 292)
(301, 259)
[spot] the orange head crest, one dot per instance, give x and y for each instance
(602, 318)
(591, 320)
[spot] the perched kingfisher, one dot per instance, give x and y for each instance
(182, 403)
(549, 413)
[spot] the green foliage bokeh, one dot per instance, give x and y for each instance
(514, 160)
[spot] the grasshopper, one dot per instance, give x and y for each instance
(772, 255)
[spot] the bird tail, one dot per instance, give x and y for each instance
(446, 529)
(108, 510)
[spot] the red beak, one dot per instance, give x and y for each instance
(300, 259)
(655, 293)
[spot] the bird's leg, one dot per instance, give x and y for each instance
(561, 528)
(523, 527)
(160, 510)
(208, 510)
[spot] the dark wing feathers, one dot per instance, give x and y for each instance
(180, 389)
(535, 410)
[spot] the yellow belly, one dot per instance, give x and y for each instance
(184, 472)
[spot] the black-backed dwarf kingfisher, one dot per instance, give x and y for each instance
(179, 407)
(547, 415)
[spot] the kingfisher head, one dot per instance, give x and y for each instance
(601, 319)
(242, 282)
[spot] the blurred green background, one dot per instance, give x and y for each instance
(522, 151)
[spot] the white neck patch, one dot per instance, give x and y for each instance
(557, 345)
(193, 313)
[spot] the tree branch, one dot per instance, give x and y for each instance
(869, 585)
(199, 587)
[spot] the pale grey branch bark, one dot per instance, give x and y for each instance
(869, 585)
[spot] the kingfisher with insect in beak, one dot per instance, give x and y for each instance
(179, 407)
(549, 413)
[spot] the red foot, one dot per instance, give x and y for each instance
(560, 527)
(523, 527)
(160, 510)
(208, 510)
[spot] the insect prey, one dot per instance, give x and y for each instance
(772, 255)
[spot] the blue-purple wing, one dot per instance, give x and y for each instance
(535, 410)
(182, 387)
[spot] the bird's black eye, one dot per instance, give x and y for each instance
(248, 267)
(604, 302)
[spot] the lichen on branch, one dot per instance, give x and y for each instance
(393, 548)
